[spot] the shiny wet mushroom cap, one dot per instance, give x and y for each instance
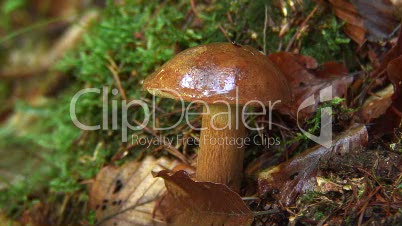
(213, 72)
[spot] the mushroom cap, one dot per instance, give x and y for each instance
(213, 72)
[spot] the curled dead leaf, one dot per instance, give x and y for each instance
(201, 203)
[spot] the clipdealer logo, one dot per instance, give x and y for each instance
(324, 139)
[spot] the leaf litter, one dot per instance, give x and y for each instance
(298, 175)
(127, 195)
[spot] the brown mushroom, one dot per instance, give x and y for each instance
(212, 73)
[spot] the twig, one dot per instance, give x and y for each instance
(265, 30)
(224, 33)
(259, 213)
(359, 223)
(112, 68)
(193, 8)
(363, 209)
(229, 16)
(249, 198)
(273, 123)
(301, 28)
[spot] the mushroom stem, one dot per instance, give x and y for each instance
(221, 154)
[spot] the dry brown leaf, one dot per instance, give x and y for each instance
(373, 20)
(298, 175)
(330, 69)
(307, 78)
(376, 105)
(391, 55)
(391, 66)
(201, 203)
(294, 67)
(394, 71)
(127, 195)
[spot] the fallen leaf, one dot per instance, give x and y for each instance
(376, 105)
(307, 78)
(127, 195)
(294, 67)
(201, 203)
(298, 175)
(394, 70)
(330, 69)
(391, 55)
(366, 19)
(391, 66)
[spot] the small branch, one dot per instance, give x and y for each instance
(265, 30)
(193, 8)
(301, 28)
(224, 33)
(259, 213)
(112, 68)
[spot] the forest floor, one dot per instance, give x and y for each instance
(53, 173)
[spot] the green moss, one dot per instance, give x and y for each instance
(327, 42)
(313, 124)
(319, 215)
(309, 196)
